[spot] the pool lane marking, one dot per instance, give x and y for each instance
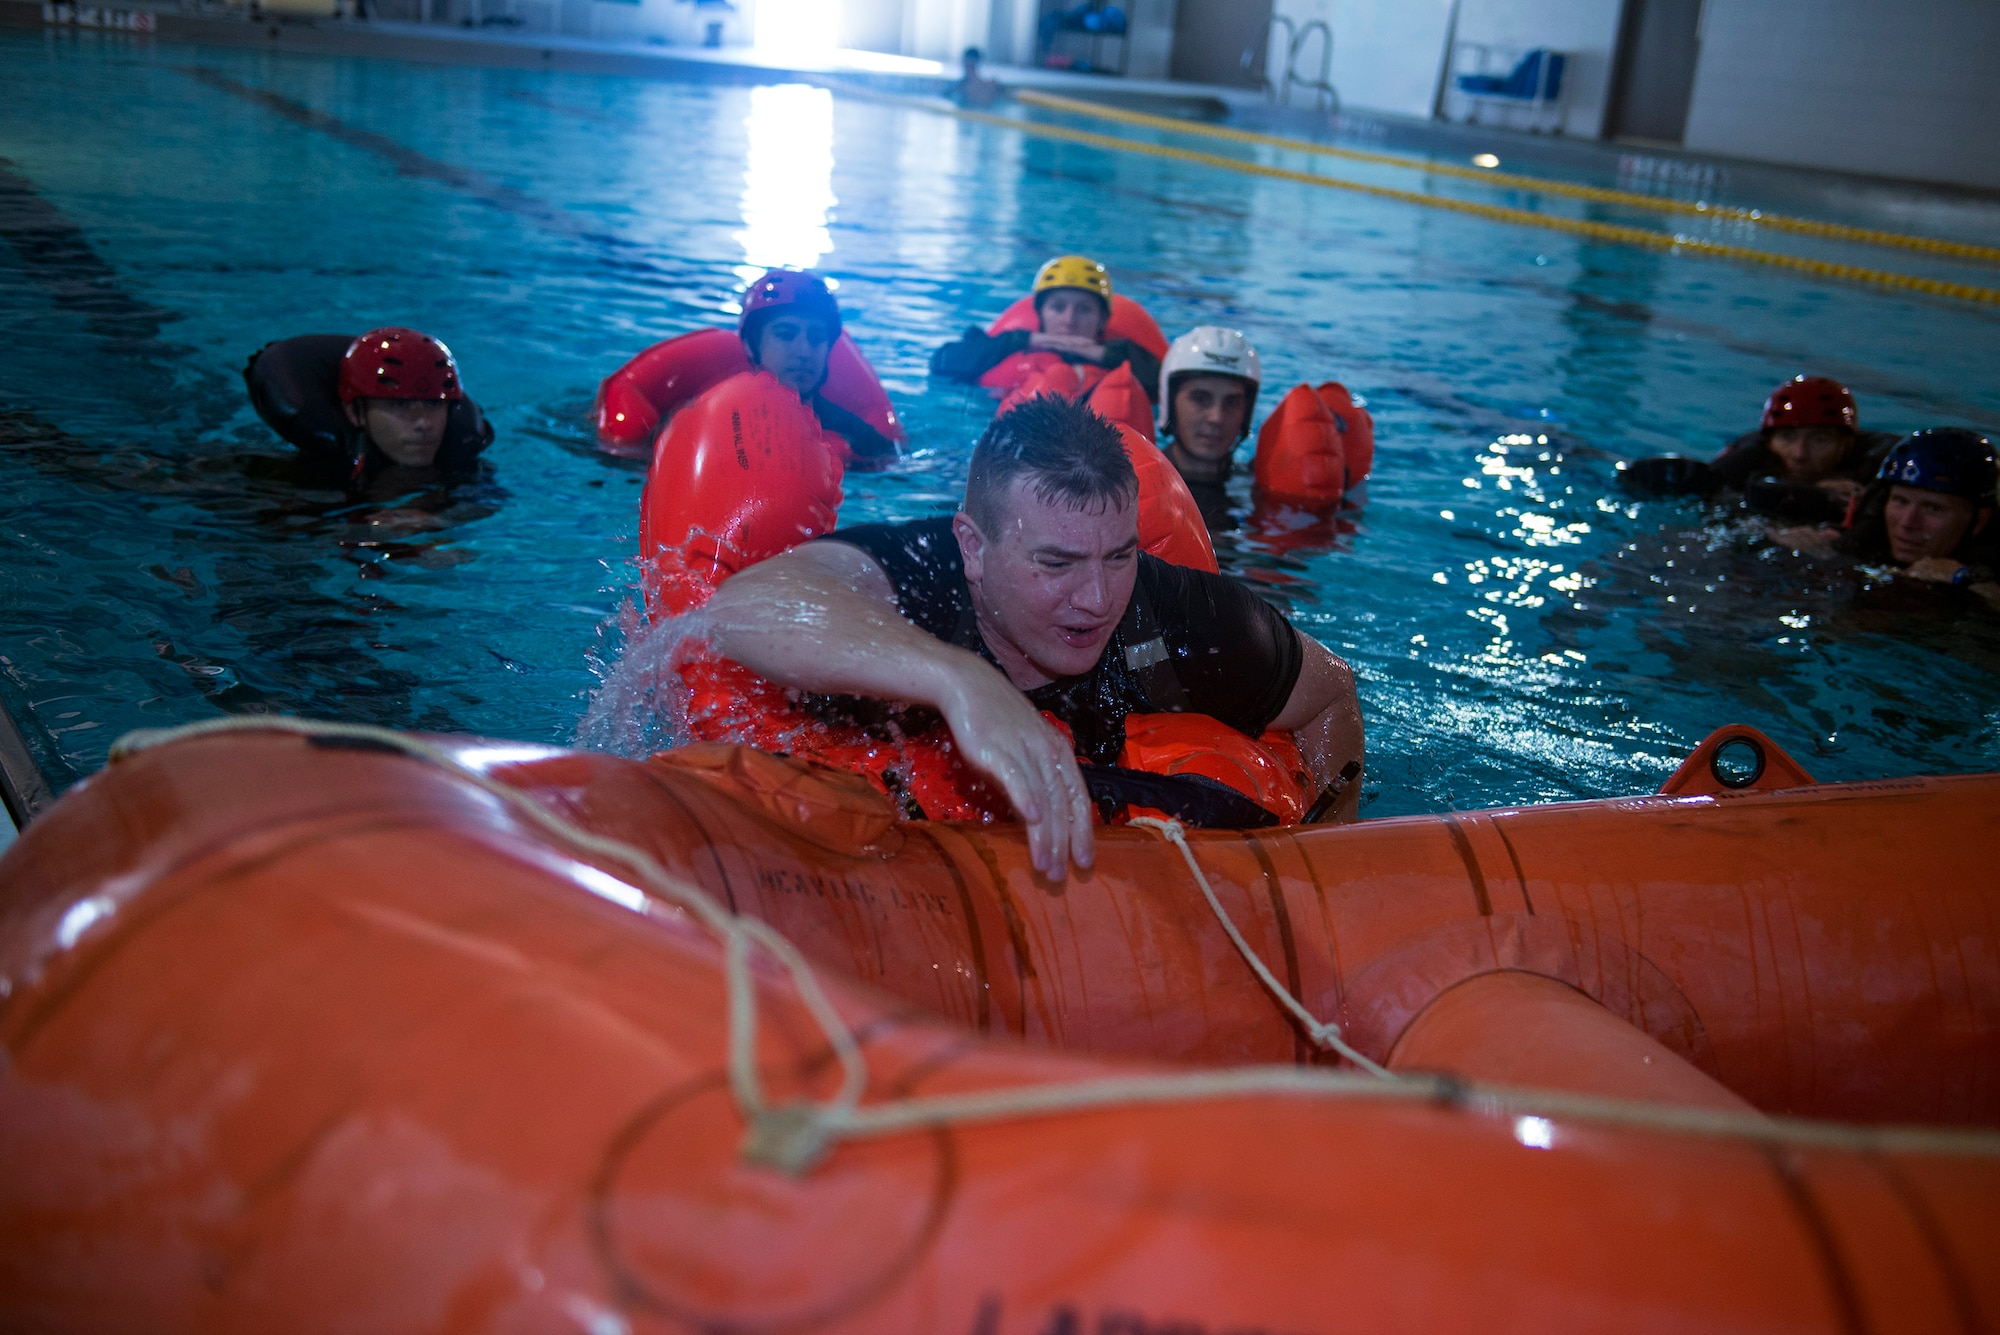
(1641, 237)
(1626, 198)
(58, 258)
(408, 161)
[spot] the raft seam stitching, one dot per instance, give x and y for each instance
(1472, 867)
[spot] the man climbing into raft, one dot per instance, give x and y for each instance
(1070, 317)
(1035, 597)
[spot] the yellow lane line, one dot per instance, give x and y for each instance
(1625, 198)
(1631, 236)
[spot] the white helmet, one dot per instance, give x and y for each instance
(1208, 350)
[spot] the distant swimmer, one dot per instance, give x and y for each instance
(791, 327)
(1929, 513)
(1807, 458)
(1035, 597)
(973, 88)
(388, 399)
(1076, 322)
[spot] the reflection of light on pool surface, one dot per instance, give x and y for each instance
(787, 178)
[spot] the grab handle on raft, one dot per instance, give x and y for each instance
(1325, 1034)
(1329, 798)
(1736, 758)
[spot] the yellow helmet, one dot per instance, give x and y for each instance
(1074, 271)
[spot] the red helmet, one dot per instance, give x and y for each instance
(396, 363)
(800, 289)
(1810, 400)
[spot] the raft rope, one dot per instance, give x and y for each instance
(1324, 1033)
(1541, 185)
(1619, 233)
(793, 1137)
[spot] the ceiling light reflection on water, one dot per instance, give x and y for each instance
(788, 194)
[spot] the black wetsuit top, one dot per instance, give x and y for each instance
(1190, 642)
(979, 352)
(868, 444)
(294, 385)
(1747, 465)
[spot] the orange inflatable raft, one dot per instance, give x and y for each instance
(348, 1032)
(647, 391)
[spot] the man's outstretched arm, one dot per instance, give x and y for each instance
(823, 617)
(1324, 713)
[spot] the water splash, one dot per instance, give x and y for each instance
(642, 705)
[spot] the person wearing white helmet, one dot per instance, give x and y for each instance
(1208, 389)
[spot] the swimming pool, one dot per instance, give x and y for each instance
(1522, 632)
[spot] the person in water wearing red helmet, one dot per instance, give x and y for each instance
(1929, 512)
(789, 325)
(1072, 305)
(388, 399)
(1807, 458)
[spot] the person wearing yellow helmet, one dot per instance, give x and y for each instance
(1072, 311)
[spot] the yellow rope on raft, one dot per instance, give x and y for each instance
(1597, 231)
(1626, 198)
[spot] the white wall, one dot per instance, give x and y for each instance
(1910, 88)
(1386, 53)
(1149, 37)
(872, 25)
(940, 29)
(1010, 35)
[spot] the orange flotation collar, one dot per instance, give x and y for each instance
(1129, 321)
(636, 398)
(1315, 447)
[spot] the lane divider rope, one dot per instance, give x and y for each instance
(1543, 185)
(794, 1137)
(1644, 238)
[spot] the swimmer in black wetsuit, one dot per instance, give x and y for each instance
(1929, 513)
(1035, 596)
(1073, 304)
(361, 406)
(1806, 460)
(789, 325)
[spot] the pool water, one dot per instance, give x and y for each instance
(1522, 632)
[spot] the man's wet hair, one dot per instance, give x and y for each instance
(1072, 456)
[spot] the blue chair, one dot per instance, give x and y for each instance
(1535, 82)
